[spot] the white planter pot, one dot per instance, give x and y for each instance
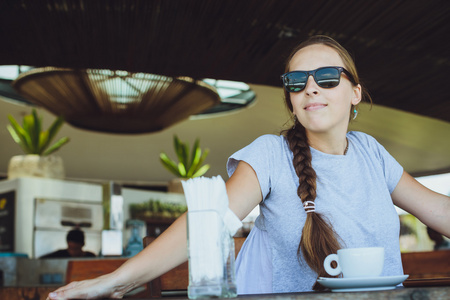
(33, 165)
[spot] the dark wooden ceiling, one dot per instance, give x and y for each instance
(401, 47)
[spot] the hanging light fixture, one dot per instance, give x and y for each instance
(116, 101)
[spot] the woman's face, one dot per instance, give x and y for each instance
(322, 110)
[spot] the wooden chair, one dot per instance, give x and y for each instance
(424, 265)
(81, 269)
(176, 281)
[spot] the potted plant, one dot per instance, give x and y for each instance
(156, 209)
(38, 160)
(189, 165)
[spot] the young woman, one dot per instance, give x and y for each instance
(319, 187)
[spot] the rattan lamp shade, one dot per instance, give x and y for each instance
(115, 101)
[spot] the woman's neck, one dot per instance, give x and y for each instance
(326, 143)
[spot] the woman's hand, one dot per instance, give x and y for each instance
(100, 287)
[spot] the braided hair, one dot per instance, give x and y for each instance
(319, 239)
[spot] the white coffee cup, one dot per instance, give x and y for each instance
(356, 262)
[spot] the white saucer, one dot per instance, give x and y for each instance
(362, 284)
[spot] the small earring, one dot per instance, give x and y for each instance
(355, 113)
(295, 121)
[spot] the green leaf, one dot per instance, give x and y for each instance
(36, 130)
(22, 134)
(182, 150)
(182, 169)
(195, 147)
(14, 134)
(28, 126)
(43, 141)
(32, 138)
(202, 159)
(178, 147)
(169, 164)
(17, 138)
(53, 130)
(185, 155)
(195, 162)
(56, 146)
(201, 171)
(187, 165)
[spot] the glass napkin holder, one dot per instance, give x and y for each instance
(211, 255)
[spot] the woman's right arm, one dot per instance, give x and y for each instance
(167, 251)
(163, 254)
(244, 192)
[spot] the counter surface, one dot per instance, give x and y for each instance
(423, 293)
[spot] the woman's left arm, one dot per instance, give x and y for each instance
(431, 208)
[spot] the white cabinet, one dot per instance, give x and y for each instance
(45, 209)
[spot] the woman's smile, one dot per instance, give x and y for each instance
(315, 106)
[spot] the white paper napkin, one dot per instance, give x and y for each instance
(209, 221)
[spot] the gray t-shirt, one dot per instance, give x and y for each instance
(353, 193)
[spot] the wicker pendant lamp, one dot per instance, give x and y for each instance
(115, 101)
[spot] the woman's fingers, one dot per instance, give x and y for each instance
(59, 293)
(87, 289)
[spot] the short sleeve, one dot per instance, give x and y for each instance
(260, 155)
(393, 171)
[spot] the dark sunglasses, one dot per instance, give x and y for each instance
(325, 77)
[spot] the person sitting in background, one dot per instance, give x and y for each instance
(75, 244)
(439, 242)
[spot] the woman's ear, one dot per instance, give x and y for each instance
(356, 94)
